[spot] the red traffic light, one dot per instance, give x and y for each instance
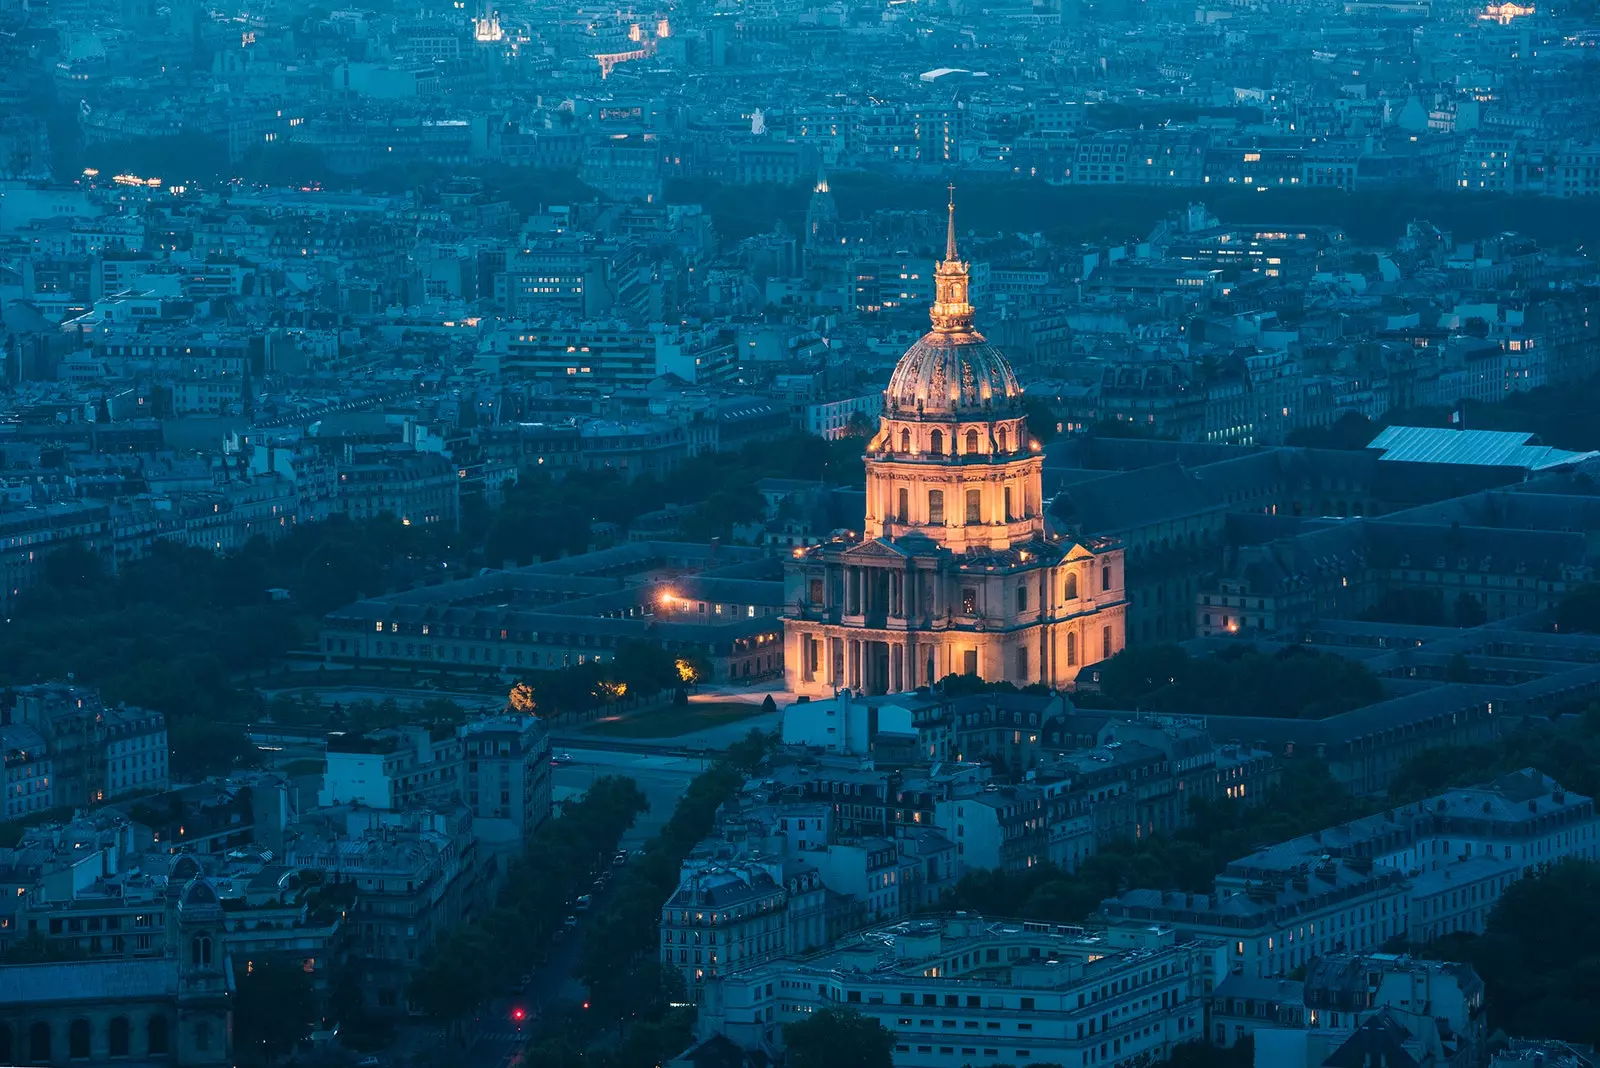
(519, 1014)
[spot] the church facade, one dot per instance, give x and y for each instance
(956, 571)
(173, 1010)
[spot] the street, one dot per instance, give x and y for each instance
(662, 778)
(500, 1037)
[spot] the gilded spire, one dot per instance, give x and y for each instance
(952, 310)
(950, 254)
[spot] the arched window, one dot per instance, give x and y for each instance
(1105, 643)
(5, 1044)
(972, 442)
(936, 442)
(1002, 440)
(78, 1040)
(39, 1042)
(200, 950)
(974, 506)
(119, 1036)
(1105, 578)
(905, 441)
(1071, 592)
(1072, 650)
(903, 505)
(936, 508)
(156, 1036)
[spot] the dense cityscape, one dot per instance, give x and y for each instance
(765, 534)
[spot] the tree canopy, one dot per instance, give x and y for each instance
(1293, 683)
(1579, 610)
(469, 963)
(275, 1008)
(838, 1037)
(1568, 751)
(1539, 956)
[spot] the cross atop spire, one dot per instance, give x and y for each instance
(950, 254)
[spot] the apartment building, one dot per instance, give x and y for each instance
(958, 990)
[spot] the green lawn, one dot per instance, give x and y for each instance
(673, 720)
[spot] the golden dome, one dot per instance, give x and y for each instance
(950, 373)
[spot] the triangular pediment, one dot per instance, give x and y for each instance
(1077, 551)
(875, 550)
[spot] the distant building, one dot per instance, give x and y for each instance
(65, 747)
(499, 767)
(1417, 873)
(174, 1008)
(718, 610)
(506, 781)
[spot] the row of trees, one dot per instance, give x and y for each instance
(1080, 213)
(1425, 608)
(630, 992)
(466, 965)
(639, 672)
(1567, 750)
(543, 518)
(1293, 683)
(179, 629)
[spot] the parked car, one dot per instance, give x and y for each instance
(583, 903)
(570, 921)
(560, 758)
(620, 859)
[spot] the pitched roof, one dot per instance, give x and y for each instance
(1128, 499)
(89, 981)
(1379, 1041)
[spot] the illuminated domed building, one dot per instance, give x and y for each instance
(957, 571)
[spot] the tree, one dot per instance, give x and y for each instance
(644, 668)
(454, 975)
(1423, 608)
(441, 712)
(860, 426)
(1469, 611)
(1292, 683)
(73, 567)
(1579, 609)
(838, 1038)
(1042, 420)
(1540, 954)
(275, 1008)
(202, 747)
